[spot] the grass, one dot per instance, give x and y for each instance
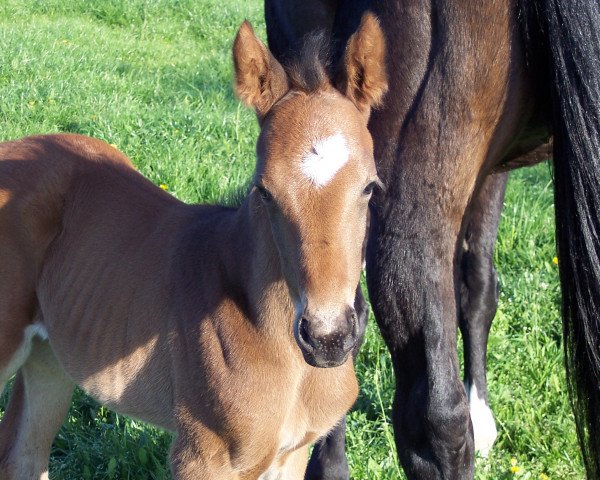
(154, 78)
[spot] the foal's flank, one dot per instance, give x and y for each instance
(208, 321)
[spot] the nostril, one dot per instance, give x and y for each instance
(304, 335)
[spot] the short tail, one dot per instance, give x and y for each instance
(569, 36)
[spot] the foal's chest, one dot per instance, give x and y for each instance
(307, 412)
(324, 397)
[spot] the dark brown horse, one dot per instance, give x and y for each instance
(204, 320)
(476, 87)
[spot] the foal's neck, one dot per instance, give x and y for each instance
(234, 255)
(258, 267)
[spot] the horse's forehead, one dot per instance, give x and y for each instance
(325, 158)
(319, 113)
(316, 136)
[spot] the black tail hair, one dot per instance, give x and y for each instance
(566, 34)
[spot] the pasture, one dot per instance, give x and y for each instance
(153, 77)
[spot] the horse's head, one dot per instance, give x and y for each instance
(315, 174)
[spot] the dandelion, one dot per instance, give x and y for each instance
(543, 476)
(164, 186)
(555, 260)
(514, 468)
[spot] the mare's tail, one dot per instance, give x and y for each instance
(567, 36)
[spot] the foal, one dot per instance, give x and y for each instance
(203, 320)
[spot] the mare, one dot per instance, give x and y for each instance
(204, 320)
(475, 88)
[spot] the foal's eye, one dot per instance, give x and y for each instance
(369, 188)
(265, 195)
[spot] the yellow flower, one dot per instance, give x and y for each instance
(164, 186)
(555, 260)
(515, 469)
(543, 476)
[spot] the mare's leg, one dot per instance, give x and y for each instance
(38, 405)
(479, 300)
(412, 291)
(328, 460)
(412, 281)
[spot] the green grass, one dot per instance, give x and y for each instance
(154, 78)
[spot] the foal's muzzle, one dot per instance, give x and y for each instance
(327, 342)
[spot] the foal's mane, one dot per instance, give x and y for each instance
(309, 70)
(234, 198)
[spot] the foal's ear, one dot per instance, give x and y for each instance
(259, 79)
(362, 76)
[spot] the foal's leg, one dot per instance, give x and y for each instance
(197, 453)
(10, 421)
(39, 403)
(295, 465)
(17, 304)
(328, 460)
(479, 300)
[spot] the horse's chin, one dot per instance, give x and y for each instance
(321, 361)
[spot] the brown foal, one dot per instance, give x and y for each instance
(204, 320)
